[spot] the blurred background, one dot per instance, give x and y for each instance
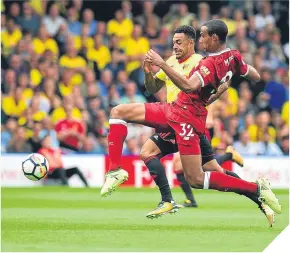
(66, 63)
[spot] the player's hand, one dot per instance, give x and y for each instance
(147, 66)
(154, 58)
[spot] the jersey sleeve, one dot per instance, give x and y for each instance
(205, 72)
(160, 75)
(242, 68)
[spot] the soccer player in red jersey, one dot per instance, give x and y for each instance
(187, 117)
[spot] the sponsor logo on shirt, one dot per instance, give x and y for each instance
(204, 70)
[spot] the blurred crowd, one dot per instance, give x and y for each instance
(63, 70)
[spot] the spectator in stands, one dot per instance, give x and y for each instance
(148, 16)
(56, 166)
(18, 143)
(132, 147)
(225, 16)
(239, 19)
(262, 127)
(17, 64)
(285, 113)
(185, 17)
(34, 140)
(14, 104)
(84, 42)
(276, 92)
(7, 133)
(106, 81)
(131, 96)
(74, 26)
(99, 53)
(264, 17)
(43, 42)
(53, 21)
(120, 26)
(268, 147)
(90, 145)
(9, 83)
(203, 13)
(127, 9)
(48, 129)
(88, 19)
(70, 132)
(71, 60)
(285, 145)
(11, 36)
(14, 11)
(136, 48)
(29, 21)
(244, 146)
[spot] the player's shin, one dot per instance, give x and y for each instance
(222, 182)
(157, 172)
(116, 138)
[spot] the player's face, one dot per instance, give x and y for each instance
(205, 40)
(181, 45)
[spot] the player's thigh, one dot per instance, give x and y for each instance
(192, 169)
(134, 112)
(177, 165)
(206, 150)
(212, 165)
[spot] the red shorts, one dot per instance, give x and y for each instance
(166, 117)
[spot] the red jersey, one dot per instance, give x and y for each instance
(213, 70)
(64, 125)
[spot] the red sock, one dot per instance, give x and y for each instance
(222, 182)
(116, 138)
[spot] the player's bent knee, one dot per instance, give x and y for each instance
(117, 112)
(149, 150)
(195, 181)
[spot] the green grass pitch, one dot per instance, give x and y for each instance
(66, 219)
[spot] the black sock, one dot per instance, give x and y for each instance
(251, 196)
(223, 158)
(185, 187)
(157, 171)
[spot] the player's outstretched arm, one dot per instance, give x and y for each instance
(252, 74)
(221, 89)
(186, 85)
(152, 85)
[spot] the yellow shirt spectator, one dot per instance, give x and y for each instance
(71, 63)
(101, 56)
(233, 96)
(257, 134)
(122, 29)
(11, 108)
(285, 113)
(41, 46)
(138, 46)
(231, 24)
(89, 42)
(37, 116)
(65, 90)
(10, 40)
(38, 6)
(35, 76)
(59, 114)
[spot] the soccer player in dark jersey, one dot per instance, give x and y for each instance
(187, 116)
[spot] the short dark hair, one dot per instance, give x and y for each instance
(187, 30)
(218, 27)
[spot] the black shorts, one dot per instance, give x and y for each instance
(167, 144)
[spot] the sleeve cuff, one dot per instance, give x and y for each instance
(200, 78)
(246, 72)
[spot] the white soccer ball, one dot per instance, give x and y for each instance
(35, 167)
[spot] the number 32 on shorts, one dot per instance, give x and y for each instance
(187, 131)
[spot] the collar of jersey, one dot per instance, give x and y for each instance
(185, 59)
(220, 52)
